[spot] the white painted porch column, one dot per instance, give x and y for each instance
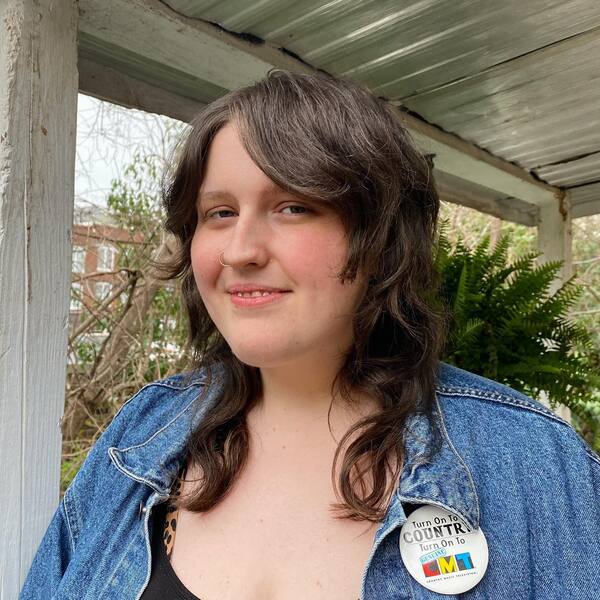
(555, 237)
(38, 115)
(555, 243)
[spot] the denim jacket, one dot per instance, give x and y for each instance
(504, 463)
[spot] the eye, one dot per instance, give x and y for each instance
(218, 214)
(294, 207)
(302, 210)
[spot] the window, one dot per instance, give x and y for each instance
(78, 259)
(103, 290)
(75, 297)
(106, 258)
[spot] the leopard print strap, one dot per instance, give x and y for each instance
(170, 525)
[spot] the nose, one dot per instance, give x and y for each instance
(247, 245)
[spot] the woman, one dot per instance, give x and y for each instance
(318, 449)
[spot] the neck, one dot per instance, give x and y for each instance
(297, 399)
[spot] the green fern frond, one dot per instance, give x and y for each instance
(506, 325)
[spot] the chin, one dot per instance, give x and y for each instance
(261, 357)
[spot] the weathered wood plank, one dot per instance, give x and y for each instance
(38, 100)
(151, 30)
(462, 192)
(114, 86)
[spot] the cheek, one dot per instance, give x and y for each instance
(318, 259)
(205, 263)
(330, 256)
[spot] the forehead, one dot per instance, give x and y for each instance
(229, 169)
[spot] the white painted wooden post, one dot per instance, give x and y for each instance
(555, 237)
(38, 115)
(555, 243)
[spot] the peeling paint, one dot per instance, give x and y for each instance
(563, 205)
(13, 22)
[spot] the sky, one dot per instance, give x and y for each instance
(108, 136)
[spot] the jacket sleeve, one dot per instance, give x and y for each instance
(51, 559)
(60, 541)
(594, 460)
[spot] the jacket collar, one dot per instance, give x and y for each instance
(157, 460)
(440, 478)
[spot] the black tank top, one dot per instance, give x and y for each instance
(164, 582)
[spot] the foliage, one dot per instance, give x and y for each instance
(132, 202)
(117, 347)
(505, 324)
(72, 461)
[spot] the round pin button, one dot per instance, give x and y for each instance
(442, 552)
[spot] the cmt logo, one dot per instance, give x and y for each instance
(448, 564)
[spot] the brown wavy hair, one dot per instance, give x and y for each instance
(333, 141)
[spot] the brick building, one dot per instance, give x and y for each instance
(96, 273)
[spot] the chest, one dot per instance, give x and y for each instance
(273, 536)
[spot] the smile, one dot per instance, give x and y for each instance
(256, 298)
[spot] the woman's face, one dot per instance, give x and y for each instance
(270, 240)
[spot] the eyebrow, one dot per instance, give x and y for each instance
(271, 190)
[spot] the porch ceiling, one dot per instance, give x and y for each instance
(518, 80)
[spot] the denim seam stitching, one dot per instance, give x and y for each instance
(117, 463)
(508, 400)
(503, 398)
(111, 580)
(460, 458)
(68, 522)
(71, 512)
(157, 384)
(175, 418)
(592, 454)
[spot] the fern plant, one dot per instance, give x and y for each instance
(506, 325)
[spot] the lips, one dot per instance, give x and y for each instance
(249, 288)
(255, 294)
(248, 300)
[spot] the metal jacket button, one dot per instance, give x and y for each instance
(142, 509)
